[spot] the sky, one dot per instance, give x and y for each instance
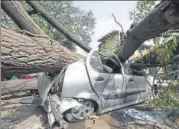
(104, 21)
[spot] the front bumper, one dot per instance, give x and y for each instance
(56, 107)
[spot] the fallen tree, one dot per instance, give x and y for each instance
(164, 17)
(34, 53)
(12, 86)
(40, 56)
(25, 54)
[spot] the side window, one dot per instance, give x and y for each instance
(96, 63)
(127, 70)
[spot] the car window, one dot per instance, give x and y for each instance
(127, 69)
(96, 63)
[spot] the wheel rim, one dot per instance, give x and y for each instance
(83, 111)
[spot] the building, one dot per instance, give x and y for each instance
(110, 42)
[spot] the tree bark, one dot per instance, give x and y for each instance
(24, 54)
(16, 12)
(157, 22)
(12, 86)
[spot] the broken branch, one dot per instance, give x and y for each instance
(118, 23)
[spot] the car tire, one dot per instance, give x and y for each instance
(88, 109)
(69, 117)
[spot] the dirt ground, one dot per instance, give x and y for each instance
(15, 115)
(32, 116)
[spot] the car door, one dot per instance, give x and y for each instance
(114, 92)
(98, 79)
(132, 87)
(120, 88)
(106, 85)
(141, 83)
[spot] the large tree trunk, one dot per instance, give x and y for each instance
(157, 22)
(12, 86)
(24, 54)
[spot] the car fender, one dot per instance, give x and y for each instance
(89, 96)
(68, 103)
(44, 84)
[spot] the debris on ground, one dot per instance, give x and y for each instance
(25, 112)
(144, 116)
(30, 100)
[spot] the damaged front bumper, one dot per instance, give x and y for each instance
(56, 107)
(54, 104)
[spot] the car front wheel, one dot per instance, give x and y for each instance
(80, 113)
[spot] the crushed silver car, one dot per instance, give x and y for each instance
(94, 85)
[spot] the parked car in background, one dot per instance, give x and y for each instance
(94, 85)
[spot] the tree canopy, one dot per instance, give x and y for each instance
(142, 9)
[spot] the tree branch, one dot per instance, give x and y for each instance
(37, 7)
(16, 12)
(154, 24)
(118, 23)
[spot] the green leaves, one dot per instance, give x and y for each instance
(167, 99)
(6, 21)
(165, 51)
(79, 22)
(143, 8)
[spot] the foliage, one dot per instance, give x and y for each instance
(6, 21)
(143, 8)
(169, 97)
(163, 52)
(75, 20)
(81, 23)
